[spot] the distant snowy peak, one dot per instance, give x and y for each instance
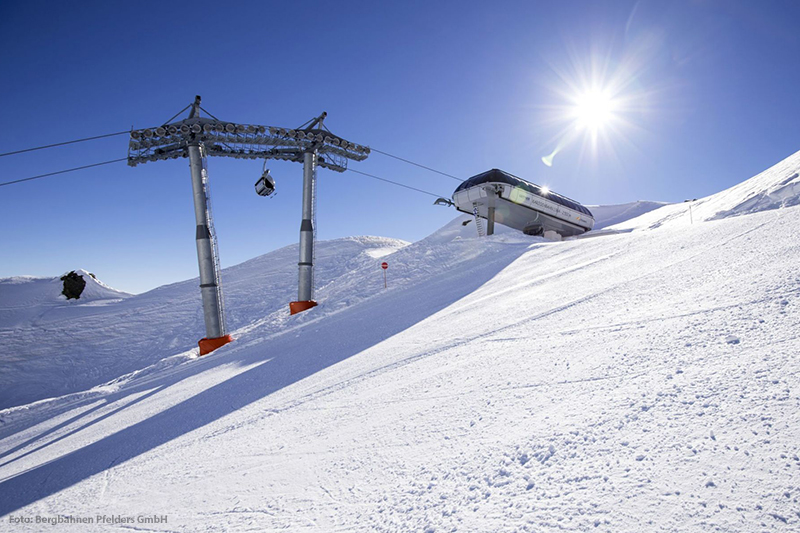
(22, 291)
(20, 296)
(776, 187)
(96, 289)
(375, 246)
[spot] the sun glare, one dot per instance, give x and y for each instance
(593, 110)
(598, 102)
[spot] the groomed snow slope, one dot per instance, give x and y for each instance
(776, 187)
(642, 381)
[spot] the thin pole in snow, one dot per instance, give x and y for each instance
(691, 219)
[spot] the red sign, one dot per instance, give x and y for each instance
(384, 265)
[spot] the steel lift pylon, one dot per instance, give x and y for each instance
(198, 137)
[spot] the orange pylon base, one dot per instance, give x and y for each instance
(299, 307)
(209, 345)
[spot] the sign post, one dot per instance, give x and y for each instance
(384, 266)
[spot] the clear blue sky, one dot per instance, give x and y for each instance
(705, 94)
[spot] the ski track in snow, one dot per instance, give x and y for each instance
(640, 381)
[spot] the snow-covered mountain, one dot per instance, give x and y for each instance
(638, 381)
(50, 346)
(23, 299)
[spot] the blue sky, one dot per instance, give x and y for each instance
(704, 95)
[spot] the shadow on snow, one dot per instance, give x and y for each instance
(285, 359)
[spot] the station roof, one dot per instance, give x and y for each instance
(499, 176)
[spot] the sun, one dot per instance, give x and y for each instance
(594, 114)
(598, 102)
(593, 110)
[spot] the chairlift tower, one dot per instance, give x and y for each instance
(198, 137)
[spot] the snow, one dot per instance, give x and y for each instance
(776, 187)
(24, 298)
(50, 346)
(608, 215)
(377, 253)
(642, 380)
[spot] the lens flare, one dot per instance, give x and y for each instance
(563, 141)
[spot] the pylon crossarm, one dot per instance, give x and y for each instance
(242, 141)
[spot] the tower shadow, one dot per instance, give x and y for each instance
(272, 364)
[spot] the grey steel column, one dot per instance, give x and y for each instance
(305, 290)
(492, 195)
(212, 309)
